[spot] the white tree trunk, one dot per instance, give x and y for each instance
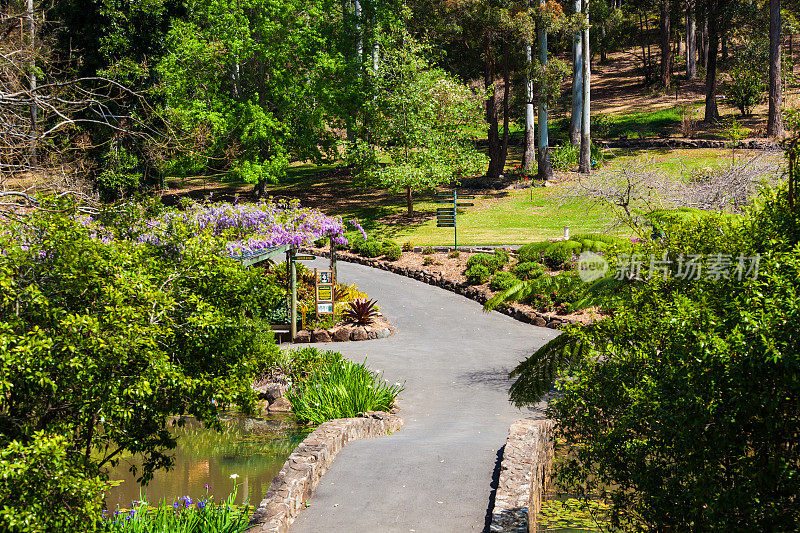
(545, 171)
(691, 43)
(34, 162)
(577, 85)
(586, 137)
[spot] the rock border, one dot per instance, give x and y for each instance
(472, 292)
(751, 144)
(524, 476)
(380, 329)
(302, 471)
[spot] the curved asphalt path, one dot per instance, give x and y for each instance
(436, 473)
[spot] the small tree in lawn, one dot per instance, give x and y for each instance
(418, 117)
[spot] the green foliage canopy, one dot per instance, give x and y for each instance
(102, 340)
(681, 407)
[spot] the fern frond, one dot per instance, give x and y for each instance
(516, 292)
(536, 374)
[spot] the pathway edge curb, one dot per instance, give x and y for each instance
(524, 476)
(291, 488)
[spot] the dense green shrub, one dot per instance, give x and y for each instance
(555, 293)
(487, 260)
(746, 89)
(354, 238)
(503, 281)
(112, 332)
(559, 254)
(527, 270)
(532, 252)
(428, 250)
(599, 242)
(300, 363)
(493, 262)
(42, 488)
(556, 255)
(393, 253)
(341, 389)
(501, 257)
(408, 246)
(703, 378)
(369, 248)
(477, 274)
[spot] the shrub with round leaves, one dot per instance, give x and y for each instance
(477, 274)
(503, 281)
(527, 270)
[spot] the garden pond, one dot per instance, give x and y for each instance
(247, 453)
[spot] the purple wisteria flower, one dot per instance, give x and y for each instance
(247, 228)
(353, 222)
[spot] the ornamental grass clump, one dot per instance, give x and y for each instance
(341, 389)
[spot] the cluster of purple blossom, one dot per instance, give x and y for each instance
(248, 227)
(353, 222)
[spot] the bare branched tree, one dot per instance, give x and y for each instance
(641, 187)
(635, 187)
(49, 121)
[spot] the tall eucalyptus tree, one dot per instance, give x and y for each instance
(544, 168)
(585, 164)
(577, 83)
(774, 122)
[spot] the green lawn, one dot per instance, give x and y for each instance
(503, 217)
(512, 216)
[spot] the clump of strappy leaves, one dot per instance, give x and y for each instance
(361, 312)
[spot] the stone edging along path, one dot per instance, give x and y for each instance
(302, 471)
(524, 476)
(473, 293)
(751, 144)
(379, 329)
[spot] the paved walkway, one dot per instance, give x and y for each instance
(435, 474)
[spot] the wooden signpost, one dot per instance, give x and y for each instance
(447, 217)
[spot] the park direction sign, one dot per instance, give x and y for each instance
(447, 217)
(323, 291)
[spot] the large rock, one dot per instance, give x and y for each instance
(320, 335)
(383, 333)
(270, 391)
(303, 336)
(342, 334)
(281, 405)
(539, 321)
(359, 334)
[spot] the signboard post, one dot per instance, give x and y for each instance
(447, 217)
(323, 291)
(290, 258)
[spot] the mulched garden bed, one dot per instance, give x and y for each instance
(448, 273)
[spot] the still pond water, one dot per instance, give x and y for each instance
(252, 448)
